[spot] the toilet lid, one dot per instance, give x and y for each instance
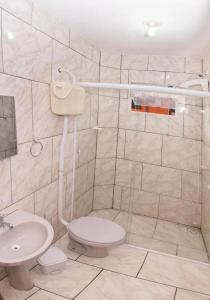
(96, 230)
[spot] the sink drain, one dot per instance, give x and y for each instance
(15, 247)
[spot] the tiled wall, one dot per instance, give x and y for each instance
(205, 214)
(33, 46)
(146, 163)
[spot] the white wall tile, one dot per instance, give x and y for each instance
(67, 59)
(84, 204)
(148, 77)
(161, 180)
(90, 70)
(156, 123)
(68, 155)
(20, 8)
(128, 173)
(134, 62)
(109, 75)
(107, 143)
(28, 54)
(121, 144)
(45, 123)
(103, 196)
(191, 186)
(194, 65)
(108, 111)
(176, 210)
(81, 181)
(105, 171)
(111, 59)
(179, 78)
(51, 26)
(192, 122)
(143, 146)
(181, 153)
(26, 204)
(79, 44)
(5, 184)
(166, 63)
(90, 174)
(30, 173)
(130, 119)
(46, 201)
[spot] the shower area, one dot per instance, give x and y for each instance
(152, 160)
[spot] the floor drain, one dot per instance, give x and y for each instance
(15, 247)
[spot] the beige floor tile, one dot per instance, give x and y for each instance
(63, 245)
(109, 214)
(9, 293)
(188, 295)
(123, 259)
(179, 234)
(177, 272)
(192, 253)
(150, 243)
(43, 295)
(69, 282)
(111, 286)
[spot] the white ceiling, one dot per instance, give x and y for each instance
(118, 24)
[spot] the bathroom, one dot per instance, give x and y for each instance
(140, 171)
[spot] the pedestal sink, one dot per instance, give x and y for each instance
(29, 238)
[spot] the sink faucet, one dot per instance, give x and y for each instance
(5, 224)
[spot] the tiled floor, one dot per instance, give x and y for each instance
(158, 235)
(128, 273)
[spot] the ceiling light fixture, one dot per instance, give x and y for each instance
(10, 35)
(152, 27)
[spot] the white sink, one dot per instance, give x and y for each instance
(29, 238)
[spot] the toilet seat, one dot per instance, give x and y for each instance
(96, 232)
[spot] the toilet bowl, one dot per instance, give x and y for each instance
(93, 236)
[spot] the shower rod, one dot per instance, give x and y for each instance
(183, 89)
(148, 88)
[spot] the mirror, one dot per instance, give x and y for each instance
(8, 134)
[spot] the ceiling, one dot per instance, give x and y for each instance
(119, 24)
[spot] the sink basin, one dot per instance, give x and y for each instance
(30, 236)
(16, 247)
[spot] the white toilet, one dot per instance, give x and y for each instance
(93, 236)
(90, 236)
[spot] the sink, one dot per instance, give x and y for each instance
(28, 239)
(15, 245)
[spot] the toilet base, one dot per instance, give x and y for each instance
(19, 277)
(86, 250)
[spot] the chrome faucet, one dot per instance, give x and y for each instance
(5, 224)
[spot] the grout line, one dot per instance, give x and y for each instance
(32, 293)
(142, 265)
(88, 284)
(127, 275)
(32, 13)
(50, 292)
(2, 48)
(97, 133)
(30, 24)
(117, 129)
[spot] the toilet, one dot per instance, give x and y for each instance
(93, 236)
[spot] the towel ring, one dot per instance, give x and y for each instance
(72, 78)
(33, 153)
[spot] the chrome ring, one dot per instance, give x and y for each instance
(33, 144)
